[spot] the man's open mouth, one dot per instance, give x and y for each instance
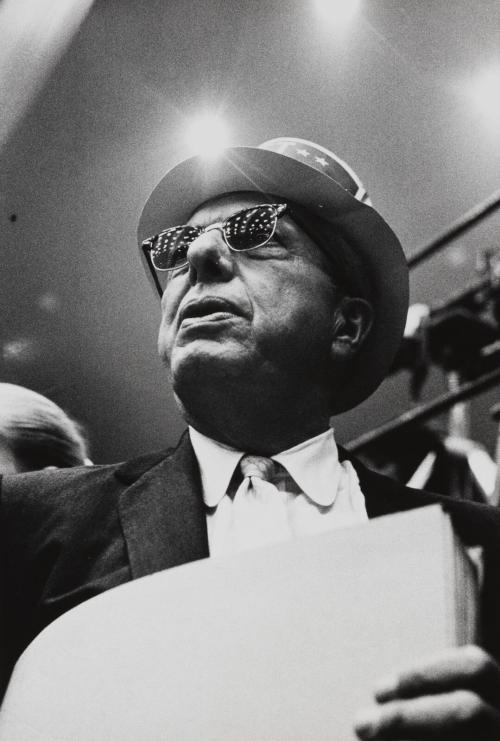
(209, 308)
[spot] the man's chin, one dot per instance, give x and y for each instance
(203, 360)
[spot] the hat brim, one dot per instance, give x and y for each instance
(198, 179)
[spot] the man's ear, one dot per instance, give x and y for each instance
(353, 320)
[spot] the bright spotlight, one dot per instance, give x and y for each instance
(207, 135)
(484, 93)
(337, 13)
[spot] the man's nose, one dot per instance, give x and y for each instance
(209, 258)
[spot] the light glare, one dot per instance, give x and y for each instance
(338, 13)
(33, 37)
(484, 93)
(207, 135)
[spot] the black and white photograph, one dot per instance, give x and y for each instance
(249, 370)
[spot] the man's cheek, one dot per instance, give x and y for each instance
(165, 342)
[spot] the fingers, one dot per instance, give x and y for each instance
(468, 667)
(453, 716)
(451, 697)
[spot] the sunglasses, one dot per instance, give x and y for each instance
(243, 231)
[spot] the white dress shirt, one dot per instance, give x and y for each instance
(315, 493)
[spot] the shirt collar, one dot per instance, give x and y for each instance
(217, 463)
(313, 464)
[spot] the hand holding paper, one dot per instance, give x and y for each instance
(454, 696)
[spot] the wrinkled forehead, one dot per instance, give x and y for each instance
(220, 207)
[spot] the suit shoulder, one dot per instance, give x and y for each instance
(82, 482)
(477, 524)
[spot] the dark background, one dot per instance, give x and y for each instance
(390, 95)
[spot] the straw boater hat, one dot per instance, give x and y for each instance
(315, 178)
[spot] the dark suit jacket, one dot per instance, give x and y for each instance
(68, 535)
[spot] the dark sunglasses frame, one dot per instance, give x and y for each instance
(149, 244)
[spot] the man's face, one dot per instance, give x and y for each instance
(250, 316)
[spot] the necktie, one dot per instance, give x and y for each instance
(257, 467)
(259, 509)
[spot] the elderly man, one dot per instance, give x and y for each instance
(284, 297)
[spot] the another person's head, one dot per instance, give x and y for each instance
(299, 305)
(35, 433)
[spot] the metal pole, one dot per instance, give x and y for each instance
(463, 224)
(427, 411)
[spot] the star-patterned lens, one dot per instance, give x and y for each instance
(251, 228)
(169, 249)
(245, 230)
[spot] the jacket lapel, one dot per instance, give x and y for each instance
(162, 512)
(383, 495)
